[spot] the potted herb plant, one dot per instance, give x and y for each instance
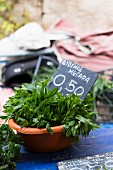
(46, 120)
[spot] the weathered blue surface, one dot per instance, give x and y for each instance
(106, 125)
(99, 141)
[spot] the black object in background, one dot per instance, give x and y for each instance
(15, 73)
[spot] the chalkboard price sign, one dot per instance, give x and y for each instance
(72, 78)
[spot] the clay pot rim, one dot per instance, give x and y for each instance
(31, 130)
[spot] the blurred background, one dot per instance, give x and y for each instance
(83, 14)
(95, 14)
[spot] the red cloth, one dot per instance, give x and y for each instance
(101, 41)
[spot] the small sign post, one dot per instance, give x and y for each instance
(72, 78)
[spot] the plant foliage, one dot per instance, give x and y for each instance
(43, 73)
(9, 148)
(102, 90)
(35, 105)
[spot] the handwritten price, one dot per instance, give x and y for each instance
(72, 86)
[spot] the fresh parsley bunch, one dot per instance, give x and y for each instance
(9, 148)
(35, 105)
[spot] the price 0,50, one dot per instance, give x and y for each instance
(66, 87)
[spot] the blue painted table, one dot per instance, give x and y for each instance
(99, 141)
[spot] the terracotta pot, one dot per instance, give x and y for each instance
(39, 140)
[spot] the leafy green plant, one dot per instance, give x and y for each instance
(35, 105)
(101, 87)
(102, 90)
(9, 148)
(43, 73)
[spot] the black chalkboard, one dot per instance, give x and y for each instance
(72, 78)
